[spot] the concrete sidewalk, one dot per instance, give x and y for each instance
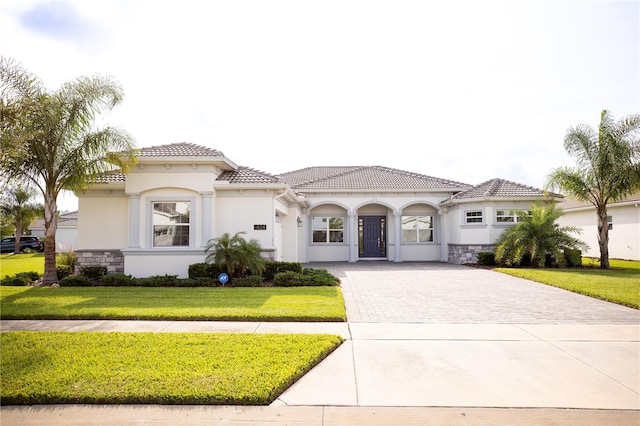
(380, 366)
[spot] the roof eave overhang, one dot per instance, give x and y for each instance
(451, 201)
(222, 162)
(377, 190)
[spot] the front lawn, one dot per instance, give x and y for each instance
(11, 264)
(154, 368)
(143, 303)
(620, 284)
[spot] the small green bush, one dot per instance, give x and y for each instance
(248, 281)
(76, 281)
(486, 258)
(93, 272)
(290, 279)
(67, 258)
(63, 271)
(116, 280)
(573, 257)
(320, 277)
(199, 270)
(157, 281)
(273, 267)
(20, 279)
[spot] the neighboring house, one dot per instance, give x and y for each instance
(66, 233)
(157, 218)
(623, 221)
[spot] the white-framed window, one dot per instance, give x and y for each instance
(507, 216)
(327, 229)
(171, 223)
(417, 229)
(473, 216)
(610, 222)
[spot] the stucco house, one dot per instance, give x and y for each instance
(623, 220)
(157, 218)
(66, 232)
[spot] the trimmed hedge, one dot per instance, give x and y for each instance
(20, 279)
(573, 257)
(93, 272)
(63, 271)
(76, 281)
(250, 281)
(486, 258)
(273, 267)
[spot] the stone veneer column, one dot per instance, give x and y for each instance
(207, 216)
(134, 220)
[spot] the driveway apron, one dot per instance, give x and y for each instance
(437, 335)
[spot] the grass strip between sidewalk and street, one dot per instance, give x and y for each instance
(155, 368)
(620, 284)
(204, 304)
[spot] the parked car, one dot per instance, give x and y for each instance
(26, 242)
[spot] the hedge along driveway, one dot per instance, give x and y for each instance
(134, 303)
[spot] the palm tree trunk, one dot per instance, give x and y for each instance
(50, 226)
(603, 237)
(18, 234)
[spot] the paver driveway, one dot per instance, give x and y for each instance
(385, 292)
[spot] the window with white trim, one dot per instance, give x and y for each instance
(171, 223)
(473, 216)
(417, 229)
(508, 216)
(327, 229)
(610, 222)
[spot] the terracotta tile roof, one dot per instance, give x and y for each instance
(181, 149)
(501, 188)
(572, 203)
(65, 220)
(364, 177)
(248, 175)
(113, 176)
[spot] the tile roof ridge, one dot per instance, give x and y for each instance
(324, 178)
(277, 177)
(420, 175)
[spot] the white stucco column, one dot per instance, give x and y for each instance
(207, 216)
(134, 220)
(353, 239)
(397, 222)
(443, 240)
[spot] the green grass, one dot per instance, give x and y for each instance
(154, 368)
(620, 284)
(137, 303)
(11, 264)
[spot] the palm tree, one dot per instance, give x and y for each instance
(49, 140)
(235, 255)
(17, 207)
(608, 168)
(536, 234)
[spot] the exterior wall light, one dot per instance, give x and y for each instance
(299, 222)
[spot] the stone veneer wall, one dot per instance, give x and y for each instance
(467, 253)
(112, 259)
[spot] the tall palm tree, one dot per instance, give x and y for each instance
(17, 207)
(608, 168)
(49, 139)
(537, 234)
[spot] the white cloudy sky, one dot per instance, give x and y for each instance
(463, 90)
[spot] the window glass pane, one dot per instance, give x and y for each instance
(425, 235)
(171, 224)
(336, 223)
(319, 236)
(409, 226)
(335, 236)
(417, 229)
(474, 216)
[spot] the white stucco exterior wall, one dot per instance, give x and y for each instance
(102, 220)
(624, 238)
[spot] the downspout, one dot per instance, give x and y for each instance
(273, 228)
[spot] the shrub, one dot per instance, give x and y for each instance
(63, 271)
(93, 272)
(486, 258)
(273, 267)
(67, 258)
(157, 281)
(199, 270)
(116, 280)
(76, 281)
(20, 279)
(248, 281)
(573, 257)
(290, 279)
(320, 277)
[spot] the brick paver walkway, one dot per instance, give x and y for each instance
(445, 293)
